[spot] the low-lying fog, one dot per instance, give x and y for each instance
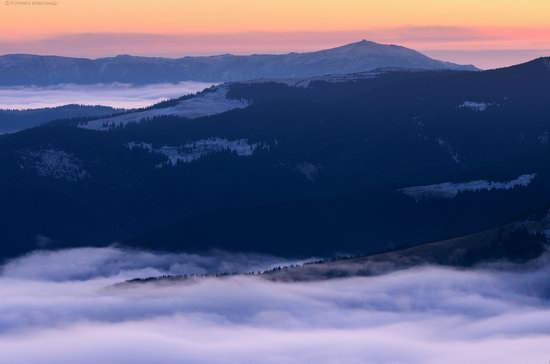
(61, 307)
(116, 95)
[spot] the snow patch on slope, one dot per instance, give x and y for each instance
(54, 163)
(203, 104)
(309, 170)
(193, 151)
(449, 190)
(449, 149)
(475, 106)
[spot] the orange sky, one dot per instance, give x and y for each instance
(467, 25)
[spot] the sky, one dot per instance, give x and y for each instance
(488, 33)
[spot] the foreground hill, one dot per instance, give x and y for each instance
(362, 56)
(513, 244)
(356, 164)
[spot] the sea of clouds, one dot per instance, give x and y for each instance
(118, 95)
(66, 307)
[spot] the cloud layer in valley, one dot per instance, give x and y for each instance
(116, 95)
(65, 307)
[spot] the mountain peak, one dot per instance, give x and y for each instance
(361, 43)
(366, 55)
(365, 42)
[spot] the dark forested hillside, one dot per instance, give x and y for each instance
(337, 164)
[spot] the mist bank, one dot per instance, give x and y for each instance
(116, 95)
(65, 307)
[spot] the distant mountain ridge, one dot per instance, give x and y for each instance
(23, 69)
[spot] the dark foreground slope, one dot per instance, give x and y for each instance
(350, 164)
(513, 245)
(510, 244)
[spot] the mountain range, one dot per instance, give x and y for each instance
(356, 163)
(23, 69)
